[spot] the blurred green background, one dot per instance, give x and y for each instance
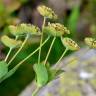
(78, 15)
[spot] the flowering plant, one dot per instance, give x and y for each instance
(43, 72)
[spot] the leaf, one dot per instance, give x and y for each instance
(11, 43)
(52, 73)
(73, 20)
(41, 74)
(3, 69)
(58, 72)
(10, 73)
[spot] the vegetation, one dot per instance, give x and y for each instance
(22, 30)
(43, 71)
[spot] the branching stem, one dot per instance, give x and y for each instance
(24, 42)
(41, 39)
(10, 51)
(8, 54)
(49, 50)
(62, 55)
(21, 62)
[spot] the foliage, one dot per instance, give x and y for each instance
(3, 69)
(27, 30)
(41, 74)
(73, 19)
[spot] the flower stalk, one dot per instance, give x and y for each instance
(42, 70)
(26, 38)
(41, 40)
(31, 54)
(8, 54)
(49, 50)
(62, 55)
(10, 51)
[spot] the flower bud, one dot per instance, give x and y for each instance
(91, 42)
(11, 43)
(14, 30)
(56, 29)
(46, 12)
(70, 44)
(31, 29)
(22, 29)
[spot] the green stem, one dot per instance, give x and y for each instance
(44, 23)
(49, 50)
(36, 91)
(58, 67)
(21, 62)
(8, 54)
(10, 50)
(12, 71)
(62, 55)
(19, 50)
(16, 37)
(41, 40)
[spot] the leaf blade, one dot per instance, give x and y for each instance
(3, 69)
(41, 74)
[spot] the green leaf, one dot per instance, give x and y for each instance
(11, 43)
(58, 72)
(10, 73)
(3, 69)
(52, 73)
(41, 74)
(73, 20)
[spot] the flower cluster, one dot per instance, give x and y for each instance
(43, 72)
(46, 12)
(56, 29)
(23, 28)
(11, 43)
(70, 44)
(91, 42)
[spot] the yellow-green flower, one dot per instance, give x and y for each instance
(22, 29)
(70, 44)
(91, 42)
(15, 30)
(56, 29)
(11, 43)
(46, 12)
